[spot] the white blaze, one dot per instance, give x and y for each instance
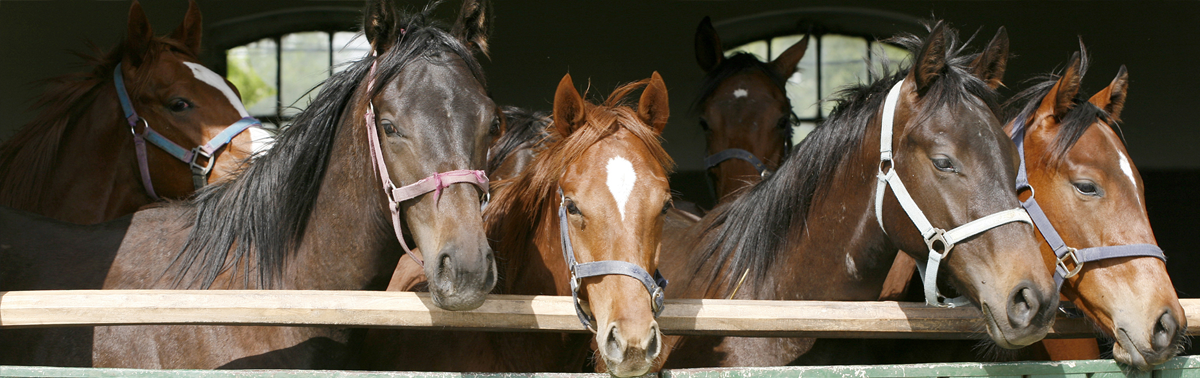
(620, 181)
(1125, 167)
(740, 92)
(216, 81)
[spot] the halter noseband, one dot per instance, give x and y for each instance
(713, 160)
(192, 158)
(434, 183)
(934, 237)
(654, 284)
(1062, 252)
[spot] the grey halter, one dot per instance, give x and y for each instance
(654, 284)
(1062, 252)
(713, 160)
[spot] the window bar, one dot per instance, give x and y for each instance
(279, 80)
(820, 78)
(870, 61)
(330, 70)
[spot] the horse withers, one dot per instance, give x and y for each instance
(311, 215)
(587, 210)
(121, 136)
(826, 225)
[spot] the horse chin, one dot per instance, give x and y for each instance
(994, 330)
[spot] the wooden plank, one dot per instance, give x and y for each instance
(499, 313)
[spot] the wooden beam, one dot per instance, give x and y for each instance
(21, 309)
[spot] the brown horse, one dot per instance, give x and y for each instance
(309, 215)
(603, 171)
(744, 111)
(77, 161)
(815, 231)
(1091, 192)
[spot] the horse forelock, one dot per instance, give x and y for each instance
(29, 157)
(742, 236)
(262, 212)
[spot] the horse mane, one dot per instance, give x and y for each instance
(1081, 115)
(523, 127)
(741, 235)
(262, 213)
(740, 63)
(29, 158)
(516, 210)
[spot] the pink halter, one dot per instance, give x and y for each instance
(434, 183)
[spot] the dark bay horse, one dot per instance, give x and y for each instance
(77, 161)
(310, 215)
(1092, 195)
(744, 111)
(600, 179)
(815, 231)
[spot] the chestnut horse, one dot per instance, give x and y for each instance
(600, 181)
(814, 230)
(310, 215)
(744, 111)
(77, 162)
(1094, 201)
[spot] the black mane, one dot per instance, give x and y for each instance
(1081, 116)
(523, 127)
(748, 233)
(739, 63)
(262, 213)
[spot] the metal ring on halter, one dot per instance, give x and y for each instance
(198, 153)
(1062, 263)
(145, 126)
(939, 235)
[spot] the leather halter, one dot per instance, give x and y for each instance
(434, 183)
(935, 238)
(1062, 252)
(713, 160)
(654, 284)
(206, 151)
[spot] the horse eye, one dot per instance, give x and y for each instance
(784, 123)
(179, 105)
(703, 124)
(495, 128)
(1086, 188)
(943, 164)
(667, 206)
(571, 208)
(388, 128)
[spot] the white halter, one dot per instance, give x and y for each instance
(934, 237)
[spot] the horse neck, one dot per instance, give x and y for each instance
(93, 174)
(533, 264)
(348, 243)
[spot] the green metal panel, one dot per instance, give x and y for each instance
(1179, 367)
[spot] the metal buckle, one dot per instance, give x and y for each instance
(939, 235)
(1062, 263)
(201, 170)
(885, 162)
(145, 126)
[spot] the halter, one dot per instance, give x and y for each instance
(1062, 252)
(654, 284)
(713, 160)
(206, 151)
(434, 183)
(934, 237)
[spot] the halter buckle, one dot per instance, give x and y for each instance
(939, 236)
(885, 163)
(1062, 263)
(197, 169)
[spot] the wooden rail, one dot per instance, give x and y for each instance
(20, 309)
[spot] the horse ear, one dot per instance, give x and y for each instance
(379, 25)
(568, 107)
(931, 61)
(138, 34)
(1112, 99)
(708, 46)
(1061, 97)
(992, 62)
(787, 61)
(473, 25)
(191, 29)
(654, 107)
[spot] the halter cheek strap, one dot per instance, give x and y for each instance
(193, 158)
(434, 183)
(940, 242)
(654, 284)
(1068, 261)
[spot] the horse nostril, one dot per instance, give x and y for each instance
(491, 274)
(652, 346)
(613, 344)
(1164, 331)
(1022, 307)
(445, 268)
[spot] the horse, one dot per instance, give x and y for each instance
(825, 226)
(525, 132)
(1096, 234)
(596, 189)
(76, 162)
(744, 111)
(316, 213)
